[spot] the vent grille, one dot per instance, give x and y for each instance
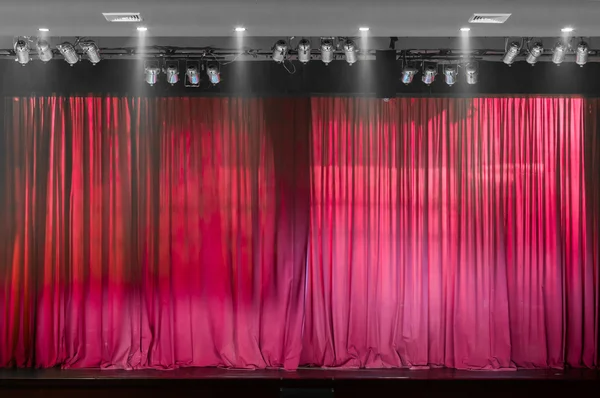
(122, 16)
(489, 18)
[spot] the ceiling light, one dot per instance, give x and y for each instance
(408, 73)
(279, 51)
(534, 53)
(151, 72)
(512, 53)
(22, 51)
(472, 73)
(581, 57)
(68, 52)
(91, 50)
(364, 28)
(560, 52)
(567, 29)
(429, 73)
(213, 74)
(172, 72)
(326, 50)
(142, 28)
(193, 75)
(450, 74)
(304, 51)
(44, 51)
(44, 30)
(465, 29)
(240, 29)
(351, 51)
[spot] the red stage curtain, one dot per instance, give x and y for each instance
(156, 233)
(450, 232)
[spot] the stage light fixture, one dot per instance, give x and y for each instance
(511, 53)
(350, 51)
(68, 52)
(567, 29)
(44, 51)
(465, 29)
(172, 72)
(364, 28)
(408, 73)
(151, 71)
(326, 50)
(581, 57)
(91, 50)
(429, 73)
(240, 29)
(193, 75)
(450, 74)
(213, 74)
(535, 52)
(22, 51)
(43, 29)
(142, 29)
(560, 52)
(304, 51)
(472, 73)
(280, 50)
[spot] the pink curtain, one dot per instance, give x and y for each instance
(449, 232)
(152, 233)
(336, 232)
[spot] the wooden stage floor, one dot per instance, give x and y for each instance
(315, 383)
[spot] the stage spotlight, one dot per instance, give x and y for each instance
(582, 54)
(22, 51)
(151, 72)
(408, 73)
(193, 75)
(280, 50)
(472, 73)
(560, 52)
(429, 73)
(68, 52)
(304, 51)
(534, 53)
(351, 51)
(326, 50)
(450, 74)
(44, 51)
(172, 72)
(512, 53)
(213, 74)
(91, 50)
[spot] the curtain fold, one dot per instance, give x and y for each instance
(153, 233)
(449, 232)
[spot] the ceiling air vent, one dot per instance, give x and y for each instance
(122, 16)
(489, 18)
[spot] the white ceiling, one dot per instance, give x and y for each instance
(211, 18)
